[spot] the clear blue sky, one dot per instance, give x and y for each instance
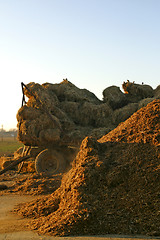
(93, 43)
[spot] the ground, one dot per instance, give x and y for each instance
(14, 227)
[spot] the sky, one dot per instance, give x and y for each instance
(93, 43)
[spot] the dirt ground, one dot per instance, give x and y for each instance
(13, 227)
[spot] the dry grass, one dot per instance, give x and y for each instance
(8, 145)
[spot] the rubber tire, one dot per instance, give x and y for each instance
(50, 162)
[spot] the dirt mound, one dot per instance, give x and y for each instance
(113, 185)
(142, 126)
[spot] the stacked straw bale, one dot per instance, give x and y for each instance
(73, 114)
(62, 114)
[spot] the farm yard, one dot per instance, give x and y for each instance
(110, 188)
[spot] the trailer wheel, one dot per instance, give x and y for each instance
(50, 162)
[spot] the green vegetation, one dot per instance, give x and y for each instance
(9, 146)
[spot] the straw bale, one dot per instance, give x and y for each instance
(29, 130)
(95, 115)
(76, 136)
(144, 102)
(72, 110)
(65, 102)
(141, 91)
(157, 92)
(102, 115)
(49, 135)
(59, 113)
(47, 99)
(100, 132)
(27, 133)
(121, 114)
(66, 91)
(87, 114)
(86, 117)
(28, 113)
(114, 97)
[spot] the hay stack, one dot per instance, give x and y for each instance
(144, 102)
(60, 114)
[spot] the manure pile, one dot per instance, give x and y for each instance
(143, 126)
(113, 185)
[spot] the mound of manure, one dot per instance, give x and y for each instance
(142, 126)
(112, 188)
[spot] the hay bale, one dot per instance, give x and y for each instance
(66, 91)
(47, 136)
(47, 100)
(94, 115)
(87, 113)
(114, 97)
(29, 129)
(66, 104)
(72, 110)
(137, 91)
(157, 92)
(121, 114)
(102, 115)
(99, 132)
(27, 113)
(144, 102)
